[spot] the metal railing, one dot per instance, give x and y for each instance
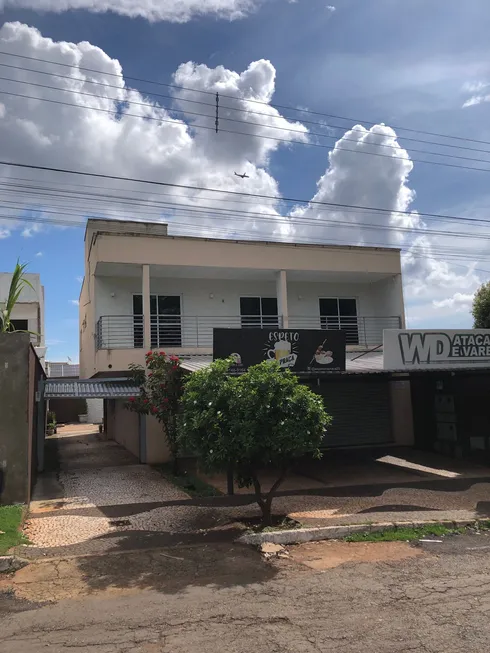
(359, 330)
(191, 332)
(173, 331)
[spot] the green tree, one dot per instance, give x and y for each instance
(160, 383)
(262, 419)
(17, 285)
(481, 307)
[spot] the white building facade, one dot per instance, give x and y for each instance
(145, 289)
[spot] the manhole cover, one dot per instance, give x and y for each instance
(119, 522)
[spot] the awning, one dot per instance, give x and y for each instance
(90, 388)
(363, 363)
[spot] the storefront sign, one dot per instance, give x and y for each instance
(414, 349)
(300, 350)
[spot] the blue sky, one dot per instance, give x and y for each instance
(408, 64)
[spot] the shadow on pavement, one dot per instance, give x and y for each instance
(172, 569)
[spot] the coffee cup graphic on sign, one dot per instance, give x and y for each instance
(282, 348)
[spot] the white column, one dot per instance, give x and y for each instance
(146, 307)
(282, 297)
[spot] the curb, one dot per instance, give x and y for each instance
(300, 535)
(11, 563)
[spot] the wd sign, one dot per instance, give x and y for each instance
(413, 349)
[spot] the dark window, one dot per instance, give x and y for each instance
(341, 313)
(19, 325)
(166, 321)
(258, 312)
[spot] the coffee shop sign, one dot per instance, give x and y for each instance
(413, 349)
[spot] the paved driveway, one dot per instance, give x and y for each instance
(99, 489)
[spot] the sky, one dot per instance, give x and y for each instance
(382, 104)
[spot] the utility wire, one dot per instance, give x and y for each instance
(246, 235)
(230, 214)
(65, 189)
(246, 122)
(233, 193)
(248, 134)
(223, 95)
(213, 106)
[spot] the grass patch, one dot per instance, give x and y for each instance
(405, 534)
(191, 484)
(10, 523)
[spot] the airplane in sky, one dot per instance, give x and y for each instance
(244, 176)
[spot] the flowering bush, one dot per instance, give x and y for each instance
(160, 383)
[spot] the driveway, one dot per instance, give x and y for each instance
(99, 489)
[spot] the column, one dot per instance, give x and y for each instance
(146, 308)
(282, 297)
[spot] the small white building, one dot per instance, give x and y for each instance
(145, 289)
(28, 313)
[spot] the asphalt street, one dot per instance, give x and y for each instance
(196, 599)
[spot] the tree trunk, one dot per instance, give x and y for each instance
(265, 503)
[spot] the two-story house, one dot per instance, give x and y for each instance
(28, 313)
(145, 289)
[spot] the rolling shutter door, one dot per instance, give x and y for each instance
(361, 412)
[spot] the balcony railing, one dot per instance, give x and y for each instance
(359, 330)
(191, 332)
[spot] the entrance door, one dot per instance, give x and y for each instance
(341, 313)
(165, 319)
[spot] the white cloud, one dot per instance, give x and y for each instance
(331, 8)
(178, 11)
(146, 141)
(476, 97)
(80, 279)
(459, 302)
(39, 254)
(75, 302)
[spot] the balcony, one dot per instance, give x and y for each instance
(196, 332)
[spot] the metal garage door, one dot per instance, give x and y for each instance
(360, 409)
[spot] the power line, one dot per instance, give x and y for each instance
(218, 213)
(223, 95)
(234, 193)
(228, 131)
(363, 211)
(248, 123)
(213, 107)
(231, 234)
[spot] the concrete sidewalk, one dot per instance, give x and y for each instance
(101, 500)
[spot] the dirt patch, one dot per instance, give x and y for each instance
(330, 554)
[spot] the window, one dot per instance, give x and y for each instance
(19, 325)
(341, 313)
(166, 321)
(258, 312)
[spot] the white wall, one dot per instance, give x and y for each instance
(207, 298)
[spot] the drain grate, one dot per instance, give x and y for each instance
(119, 522)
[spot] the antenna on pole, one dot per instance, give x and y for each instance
(216, 122)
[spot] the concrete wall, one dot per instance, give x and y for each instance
(181, 251)
(19, 370)
(125, 427)
(157, 450)
(401, 412)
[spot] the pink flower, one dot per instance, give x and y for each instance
(131, 399)
(154, 409)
